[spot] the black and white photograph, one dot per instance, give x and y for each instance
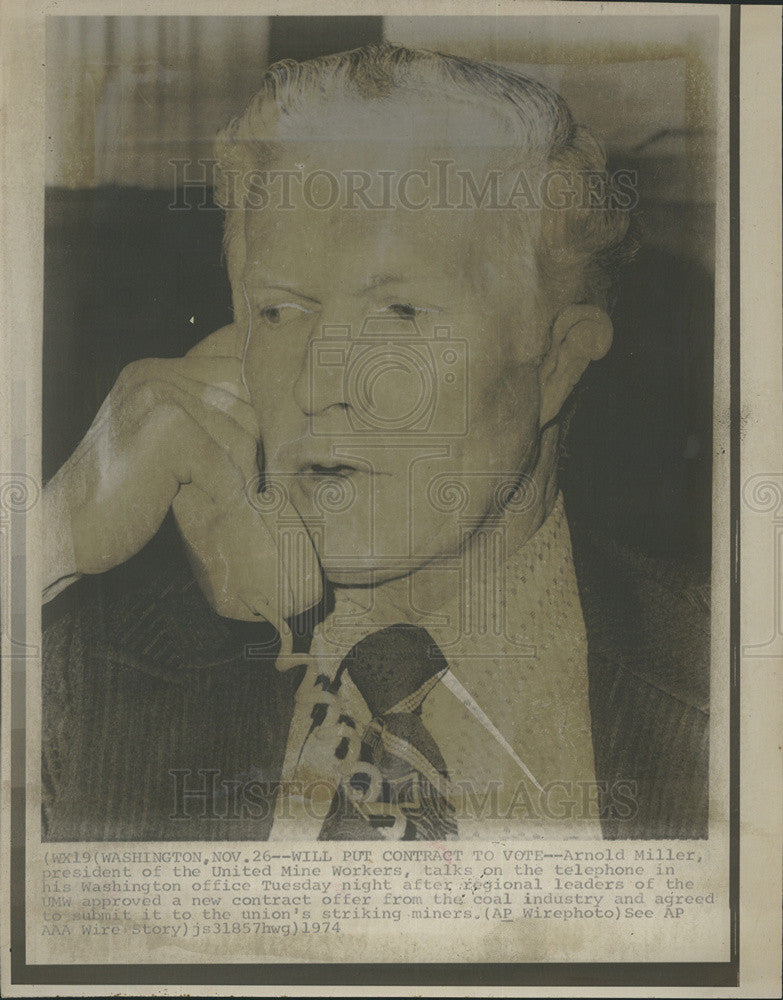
(393, 520)
(385, 514)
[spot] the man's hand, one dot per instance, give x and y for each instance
(178, 432)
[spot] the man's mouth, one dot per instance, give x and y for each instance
(340, 470)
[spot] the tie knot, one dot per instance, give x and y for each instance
(395, 668)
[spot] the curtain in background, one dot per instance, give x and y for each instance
(127, 94)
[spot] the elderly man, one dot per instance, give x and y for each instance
(421, 250)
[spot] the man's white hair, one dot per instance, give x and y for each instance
(577, 253)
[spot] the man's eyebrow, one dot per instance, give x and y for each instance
(380, 281)
(279, 287)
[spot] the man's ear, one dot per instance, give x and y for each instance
(227, 342)
(580, 334)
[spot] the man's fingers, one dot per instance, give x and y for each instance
(217, 396)
(237, 437)
(205, 462)
(253, 553)
(210, 370)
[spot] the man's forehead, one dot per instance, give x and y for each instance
(386, 158)
(384, 196)
(383, 245)
(386, 239)
(403, 186)
(428, 253)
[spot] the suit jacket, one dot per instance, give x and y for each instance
(648, 631)
(164, 721)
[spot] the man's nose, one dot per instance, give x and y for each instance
(320, 384)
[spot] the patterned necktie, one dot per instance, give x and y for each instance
(395, 784)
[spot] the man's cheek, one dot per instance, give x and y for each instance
(504, 406)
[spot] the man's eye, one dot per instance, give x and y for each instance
(402, 309)
(405, 310)
(282, 313)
